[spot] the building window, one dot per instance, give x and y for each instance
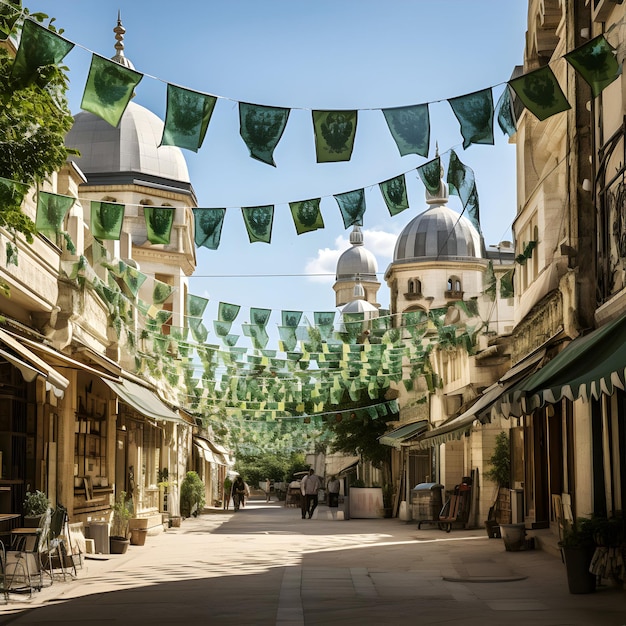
(414, 289)
(454, 288)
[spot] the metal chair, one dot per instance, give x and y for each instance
(53, 552)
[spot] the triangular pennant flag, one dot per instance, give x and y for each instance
(51, 211)
(260, 317)
(410, 128)
(196, 305)
(106, 220)
(159, 222)
(11, 193)
(352, 207)
(334, 135)
(199, 331)
(109, 89)
(291, 318)
(595, 61)
(187, 117)
(475, 114)
(394, 194)
(306, 215)
(261, 127)
(161, 291)
(10, 12)
(505, 113)
(227, 312)
(430, 174)
(258, 221)
(506, 284)
(540, 93)
(38, 47)
(208, 227)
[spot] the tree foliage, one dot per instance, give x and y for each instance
(35, 119)
(500, 461)
(257, 467)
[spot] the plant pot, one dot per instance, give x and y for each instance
(32, 521)
(514, 536)
(175, 521)
(138, 536)
(577, 562)
(493, 529)
(118, 545)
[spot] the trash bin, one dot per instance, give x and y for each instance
(99, 532)
(426, 501)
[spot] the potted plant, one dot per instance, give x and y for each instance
(35, 505)
(577, 547)
(500, 473)
(192, 498)
(119, 539)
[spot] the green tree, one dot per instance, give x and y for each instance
(192, 497)
(35, 119)
(500, 461)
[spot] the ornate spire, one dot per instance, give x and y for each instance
(119, 57)
(356, 236)
(441, 197)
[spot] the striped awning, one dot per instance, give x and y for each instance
(404, 433)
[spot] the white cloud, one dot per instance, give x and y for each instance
(322, 268)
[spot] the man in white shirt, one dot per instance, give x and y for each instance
(311, 484)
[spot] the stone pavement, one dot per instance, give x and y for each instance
(265, 565)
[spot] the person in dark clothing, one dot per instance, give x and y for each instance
(238, 492)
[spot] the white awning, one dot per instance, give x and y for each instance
(35, 366)
(143, 401)
(204, 449)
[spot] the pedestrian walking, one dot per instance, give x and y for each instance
(333, 492)
(238, 492)
(267, 489)
(311, 484)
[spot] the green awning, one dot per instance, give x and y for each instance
(586, 368)
(144, 401)
(397, 437)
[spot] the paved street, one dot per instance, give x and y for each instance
(265, 565)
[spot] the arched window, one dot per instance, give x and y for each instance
(454, 284)
(411, 286)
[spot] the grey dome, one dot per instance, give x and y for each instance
(357, 261)
(438, 233)
(131, 151)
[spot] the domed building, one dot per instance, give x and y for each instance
(438, 259)
(127, 165)
(357, 265)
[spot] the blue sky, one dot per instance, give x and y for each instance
(326, 54)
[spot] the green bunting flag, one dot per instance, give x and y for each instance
(540, 93)
(489, 282)
(258, 221)
(596, 63)
(306, 215)
(287, 335)
(51, 211)
(196, 305)
(475, 114)
(10, 12)
(505, 113)
(106, 220)
(260, 317)
(159, 222)
(394, 194)
(38, 47)
(462, 183)
(208, 227)
(161, 292)
(227, 312)
(352, 207)
(506, 284)
(133, 279)
(334, 135)
(324, 318)
(199, 332)
(187, 118)
(109, 89)
(430, 174)
(11, 193)
(410, 128)
(261, 127)
(222, 328)
(291, 318)
(258, 334)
